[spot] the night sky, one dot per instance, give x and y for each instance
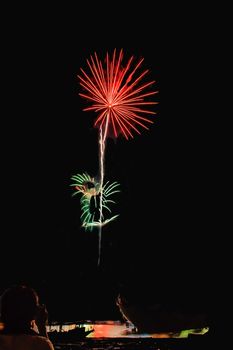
(161, 239)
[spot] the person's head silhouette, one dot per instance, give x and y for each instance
(19, 305)
(24, 320)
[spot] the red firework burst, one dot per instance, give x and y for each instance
(117, 94)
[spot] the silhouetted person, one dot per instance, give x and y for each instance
(24, 320)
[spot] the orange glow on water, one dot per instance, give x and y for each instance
(117, 329)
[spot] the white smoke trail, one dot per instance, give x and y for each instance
(102, 145)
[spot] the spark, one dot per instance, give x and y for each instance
(92, 196)
(117, 94)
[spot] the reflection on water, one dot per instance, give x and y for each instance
(117, 329)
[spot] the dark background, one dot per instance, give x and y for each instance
(163, 240)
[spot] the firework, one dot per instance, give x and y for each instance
(117, 94)
(90, 191)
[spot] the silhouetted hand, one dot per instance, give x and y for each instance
(41, 320)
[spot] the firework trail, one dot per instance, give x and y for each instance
(118, 95)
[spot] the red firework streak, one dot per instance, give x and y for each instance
(118, 96)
